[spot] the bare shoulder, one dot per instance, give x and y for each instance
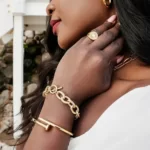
(20, 146)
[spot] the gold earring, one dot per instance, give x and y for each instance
(107, 3)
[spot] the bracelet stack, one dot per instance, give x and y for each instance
(53, 89)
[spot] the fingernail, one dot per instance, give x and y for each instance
(112, 18)
(120, 59)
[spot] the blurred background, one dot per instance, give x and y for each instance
(22, 30)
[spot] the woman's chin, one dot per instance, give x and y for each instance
(64, 43)
(62, 46)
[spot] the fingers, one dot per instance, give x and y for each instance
(104, 27)
(114, 48)
(106, 38)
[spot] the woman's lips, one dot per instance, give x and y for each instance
(55, 28)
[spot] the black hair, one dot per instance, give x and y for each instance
(134, 17)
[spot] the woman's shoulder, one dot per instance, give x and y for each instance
(137, 99)
(139, 93)
(124, 125)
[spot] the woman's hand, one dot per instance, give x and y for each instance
(86, 68)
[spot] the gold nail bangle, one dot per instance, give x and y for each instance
(46, 127)
(56, 126)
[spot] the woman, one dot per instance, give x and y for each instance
(104, 79)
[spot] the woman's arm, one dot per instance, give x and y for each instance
(20, 147)
(82, 79)
(57, 112)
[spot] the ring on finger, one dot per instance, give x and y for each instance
(93, 35)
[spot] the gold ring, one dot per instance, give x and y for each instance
(93, 35)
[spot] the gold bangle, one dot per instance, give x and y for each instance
(47, 124)
(56, 126)
(46, 127)
(53, 89)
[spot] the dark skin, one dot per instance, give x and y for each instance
(131, 76)
(81, 18)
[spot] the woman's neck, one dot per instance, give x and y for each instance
(134, 71)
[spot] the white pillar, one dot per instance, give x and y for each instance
(18, 59)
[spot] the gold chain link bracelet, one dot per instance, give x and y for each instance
(53, 89)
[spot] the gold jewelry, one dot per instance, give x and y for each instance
(107, 3)
(125, 62)
(53, 89)
(47, 125)
(93, 35)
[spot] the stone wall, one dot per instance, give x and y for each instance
(35, 53)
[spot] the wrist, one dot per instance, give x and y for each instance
(71, 93)
(57, 112)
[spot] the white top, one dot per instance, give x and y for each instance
(125, 125)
